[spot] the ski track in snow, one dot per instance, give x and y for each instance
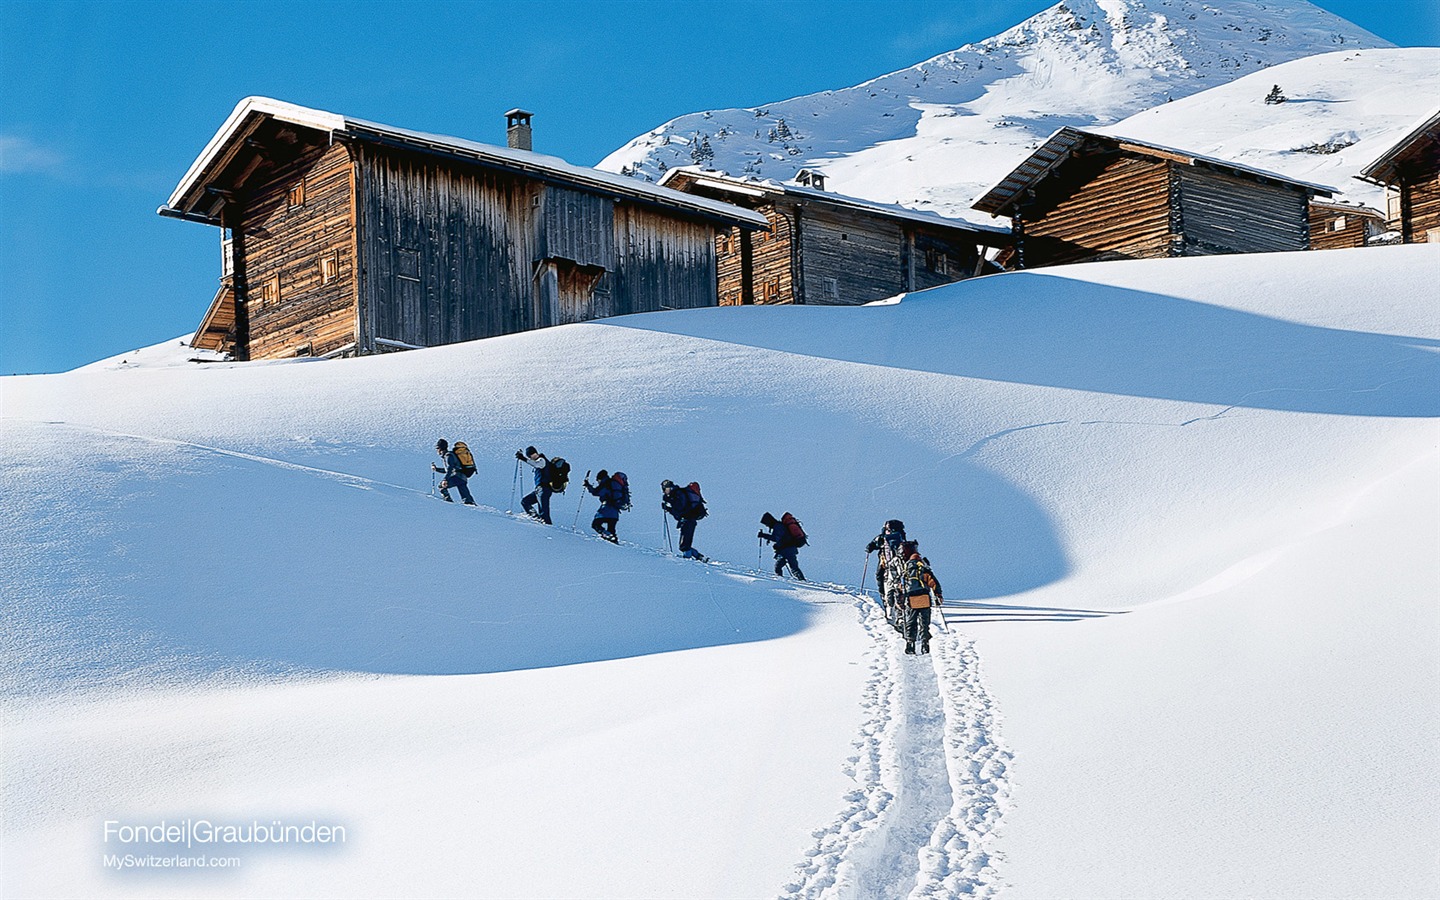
(931, 780)
(931, 772)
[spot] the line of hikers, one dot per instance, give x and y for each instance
(907, 584)
(551, 475)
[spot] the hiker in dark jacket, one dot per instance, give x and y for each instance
(613, 494)
(787, 546)
(888, 542)
(540, 497)
(454, 474)
(920, 587)
(688, 508)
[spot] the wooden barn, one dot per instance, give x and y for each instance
(827, 248)
(1336, 225)
(341, 236)
(1410, 169)
(1084, 196)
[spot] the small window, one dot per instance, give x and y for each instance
(270, 291)
(296, 198)
(407, 264)
(329, 267)
(1337, 224)
(844, 236)
(937, 262)
(304, 350)
(832, 289)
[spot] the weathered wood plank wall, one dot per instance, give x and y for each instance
(662, 262)
(936, 259)
(1221, 213)
(449, 256)
(848, 258)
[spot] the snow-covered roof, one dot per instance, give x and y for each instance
(1063, 142)
(760, 187)
(1381, 171)
(253, 110)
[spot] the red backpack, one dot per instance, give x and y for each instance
(697, 502)
(797, 533)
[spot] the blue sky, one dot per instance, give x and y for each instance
(103, 106)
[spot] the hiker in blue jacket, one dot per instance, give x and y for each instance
(454, 474)
(540, 497)
(787, 545)
(688, 508)
(613, 492)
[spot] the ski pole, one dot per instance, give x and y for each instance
(514, 484)
(759, 548)
(575, 525)
(432, 479)
(865, 571)
(665, 519)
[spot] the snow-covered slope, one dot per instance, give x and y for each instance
(1186, 509)
(1342, 110)
(936, 134)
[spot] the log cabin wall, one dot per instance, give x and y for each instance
(1222, 213)
(661, 262)
(449, 253)
(1420, 195)
(733, 261)
(1074, 218)
(773, 277)
(300, 284)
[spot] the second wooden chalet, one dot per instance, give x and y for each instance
(1337, 225)
(827, 248)
(343, 236)
(1410, 169)
(1084, 196)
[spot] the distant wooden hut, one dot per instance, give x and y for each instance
(1084, 196)
(827, 248)
(1411, 170)
(1335, 225)
(342, 236)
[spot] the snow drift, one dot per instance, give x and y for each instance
(1187, 509)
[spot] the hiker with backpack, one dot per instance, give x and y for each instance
(613, 492)
(920, 588)
(788, 537)
(551, 477)
(459, 466)
(688, 507)
(888, 542)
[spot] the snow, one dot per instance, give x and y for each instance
(1343, 110)
(1184, 512)
(935, 135)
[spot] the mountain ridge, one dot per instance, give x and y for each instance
(934, 134)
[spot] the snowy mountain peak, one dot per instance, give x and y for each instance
(935, 134)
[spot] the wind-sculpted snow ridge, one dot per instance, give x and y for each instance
(931, 780)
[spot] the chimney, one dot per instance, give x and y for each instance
(811, 179)
(517, 129)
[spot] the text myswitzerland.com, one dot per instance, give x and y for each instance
(151, 861)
